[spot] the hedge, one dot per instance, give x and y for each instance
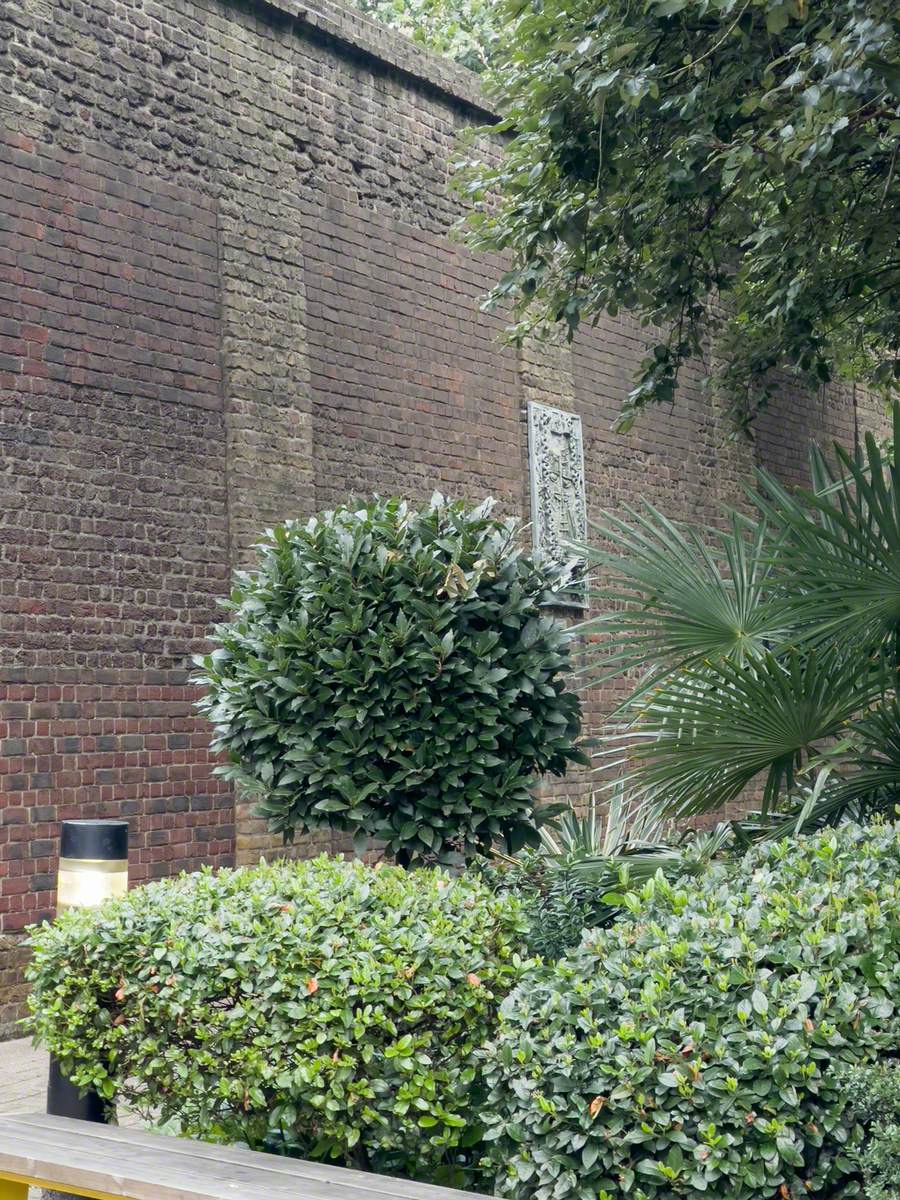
(325, 1009)
(685, 1049)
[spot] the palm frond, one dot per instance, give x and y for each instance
(703, 737)
(870, 768)
(675, 596)
(840, 544)
(765, 653)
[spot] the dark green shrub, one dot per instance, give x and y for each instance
(325, 1008)
(558, 902)
(873, 1094)
(391, 674)
(685, 1049)
(585, 861)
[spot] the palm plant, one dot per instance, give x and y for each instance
(575, 878)
(764, 656)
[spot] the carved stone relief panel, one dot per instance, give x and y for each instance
(558, 505)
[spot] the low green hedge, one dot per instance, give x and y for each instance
(325, 1009)
(685, 1049)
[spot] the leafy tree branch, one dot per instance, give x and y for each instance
(726, 171)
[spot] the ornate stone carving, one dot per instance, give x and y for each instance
(558, 506)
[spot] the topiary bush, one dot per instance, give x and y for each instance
(392, 674)
(325, 1009)
(685, 1049)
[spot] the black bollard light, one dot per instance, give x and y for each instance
(93, 867)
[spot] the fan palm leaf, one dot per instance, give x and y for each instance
(676, 596)
(870, 767)
(705, 735)
(839, 549)
(764, 651)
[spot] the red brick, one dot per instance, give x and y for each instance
(228, 295)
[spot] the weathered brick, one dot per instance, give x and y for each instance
(229, 296)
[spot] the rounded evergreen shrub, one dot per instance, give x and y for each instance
(325, 1009)
(392, 674)
(686, 1049)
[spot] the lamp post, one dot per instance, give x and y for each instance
(93, 867)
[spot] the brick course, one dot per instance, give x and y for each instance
(104, 749)
(229, 295)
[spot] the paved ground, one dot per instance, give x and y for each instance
(23, 1084)
(23, 1088)
(23, 1078)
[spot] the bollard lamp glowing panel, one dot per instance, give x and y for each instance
(93, 867)
(93, 863)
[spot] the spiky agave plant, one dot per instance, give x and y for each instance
(587, 860)
(602, 831)
(766, 654)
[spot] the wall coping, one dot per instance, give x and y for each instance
(370, 39)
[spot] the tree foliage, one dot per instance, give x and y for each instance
(463, 30)
(767, 653)
(714, 166)
(393, 674)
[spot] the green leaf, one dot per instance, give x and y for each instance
(760, 1002)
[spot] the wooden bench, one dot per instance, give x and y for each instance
(109, 1163)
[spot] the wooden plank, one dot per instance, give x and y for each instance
(109, 1139)
(25, 1185)
(142, 1166)
(106, 1145)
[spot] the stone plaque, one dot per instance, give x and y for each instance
(558, 507)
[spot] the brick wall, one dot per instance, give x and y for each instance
(411, 388)
(229, 295)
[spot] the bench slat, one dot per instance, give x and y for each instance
(144, 1166)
